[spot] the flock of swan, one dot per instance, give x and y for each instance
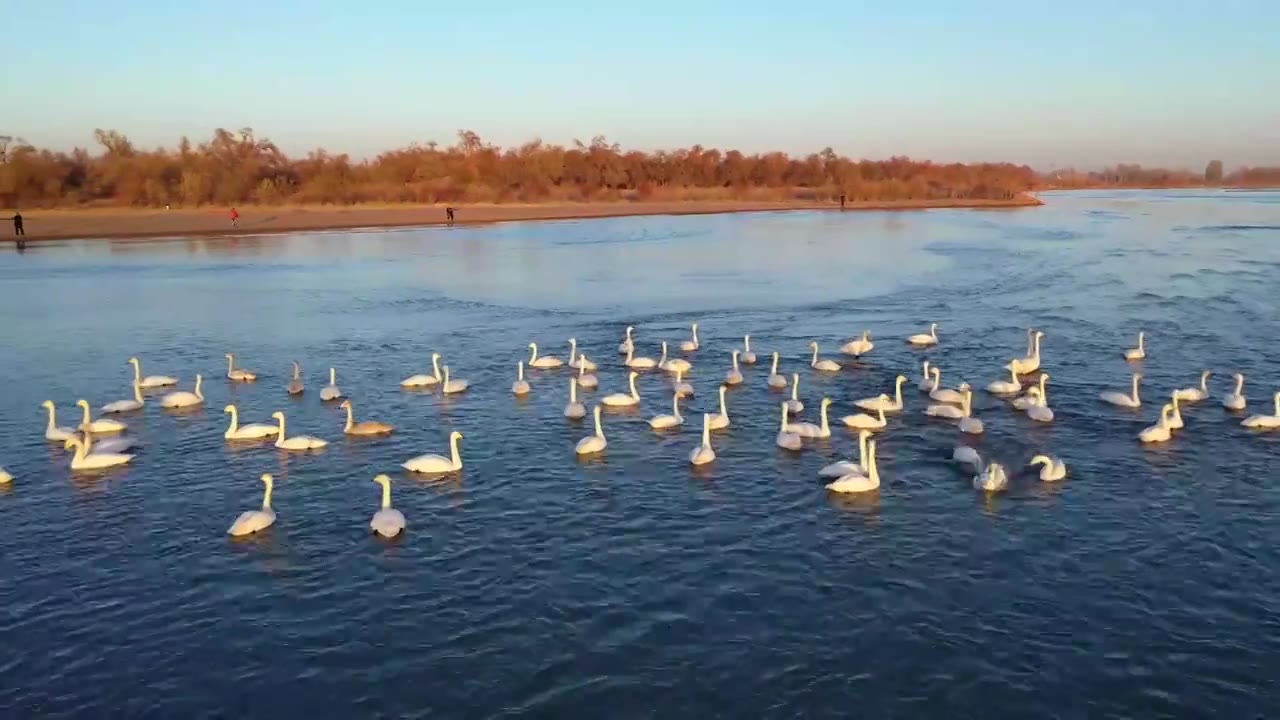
(93, 452)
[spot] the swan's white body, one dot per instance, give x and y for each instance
(885, 402)
(993, 478)
(747, 357)
(1052, 468)
(1175, 417)
(822, 365)
(1160, 432)
(1139, 352)
(926, 382)
(794, 406)
(863, 421)
(734, 376)
(574, 410)
(859, 347)
(1268, 422)
(387, 522)
(122, 406)
(85, 460)
(941, 394)
(703, 454)
(840, 468)
(1031, 398)
(639, 363)
(809, 430)
(236, 374)
(252, 521)
(1131, 400)
(520, 386)
(1235, 399)
(929, 338)
(860, 480)
(331, 391)
(102, 426)
(364, 428)
(455, 385)
(595, 443)
(51, 430)
(1039, 409)
(682, 388)
(627, 345)
(5, 477)
(666, 422)
(255, 431)
(966, 455)
(786, 439)
(775, 380)
(298, 442)
(545, 362)
(182, 398)
(437, 463)
(295, 386)
(964, 413)
(579, 360)
(720, 420)
(425, 380)
(1006, 387)
(691, 345)
(1031, 362)
(1195, 394)
(150, 381)
(114, 445)
(623, 399)
(585, 379)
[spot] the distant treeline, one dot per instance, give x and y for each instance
(238, 167)
(1136, 176)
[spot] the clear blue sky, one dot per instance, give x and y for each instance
(1082, 82)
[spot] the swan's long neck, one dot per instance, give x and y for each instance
(87, 417)
(968, 399)
(520, 371)
(631, 351)
(825, 427)
(235, 420)
(453, 451)
(435, 365)
(634, 393)
(53, 414)
(1277, 401)
(533, 352)
(281, 419)
(1239, 384)
(1035, 351)
(137, 372)
(933, 330)
(599, 430)
(663, 359)
(81, 450)
(1133, 394)
(784, 417)
(774, 371)
(795, 386)
(706, 431)
(231, 363)
(333, 376)
(675, 406)
(1044, 379)
(746, 343)
(198, 381)
(350, 418)
(725, 410)
(1177, 411)
(628, 334)
(386, 495)
(936, 374)
(925, 369)
(1013, 375)
(862, 449)
(873, 472)
(573, 391)
(446, 374)
(679, 376)
(266, 496)
(880, 412)
(695, 333)
(1141, 337)
(137, 393)
(897, 391)
(573, 348)
(1204, 382)
(814, 361)
(297, 371)
(735, 361)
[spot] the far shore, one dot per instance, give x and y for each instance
(124, 223)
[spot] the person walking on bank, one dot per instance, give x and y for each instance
(842, 202)
(17, 224)
(234, 217)
(448, 214)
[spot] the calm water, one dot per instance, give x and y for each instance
(535, 584)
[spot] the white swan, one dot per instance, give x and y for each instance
(364, 428)
(331, 391)
(623, 399)
(863, 421)
(776, 381)
(5, 477)
(238, 374)
(1264, 421)
(1039, 410)
(51, 430)
(520, 386)
(1052, 468)
(1139, 352)
(627, 345)
(579, 361)
(964, 413)
(295, 386)
(236, 431)
(1175, 417)
(859, 347)
(437, 463)
(1160, 432)
(786, 439)
(1235, 399)
(747, 357)
(449, 387)
(546, 361)
(1131, 400)
(926, 380)
(425, 380)
(941, 394)
(1006, 387)
(682, 388)
(734, 376)
(150, 381)
(251, 521)
(859, 481)
(1031, 398)
(809, 430)
(674, 364)
(114, 445)
(993, 478)
(720, 420)
(1195, 394)
(586, 379)
(666, 422)
(822, 365)
(691, 345)
(1031, 362)
(966, 455)
(182, 398)
(794, 406)
(703, 454)
(929, 338)
(298, 442)
(387, 522)
(883, 401)
(101, 426)
(85, 460)
(574, 410)
(121, 406)
(594, 443)
(840, 468)
(639, 363)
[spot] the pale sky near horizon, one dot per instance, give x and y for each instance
(1083, 83)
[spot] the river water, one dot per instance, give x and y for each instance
(535, 584)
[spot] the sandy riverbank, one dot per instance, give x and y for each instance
(112, 223)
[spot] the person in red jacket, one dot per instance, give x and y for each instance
(234, 217)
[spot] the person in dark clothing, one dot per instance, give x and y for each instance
(17, 224)
(235, 217)
(448, 214)
(842, 202)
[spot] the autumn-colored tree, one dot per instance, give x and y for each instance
(1213, 173)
